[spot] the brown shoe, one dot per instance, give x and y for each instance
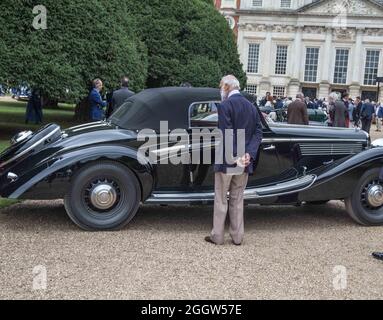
(209, 240)
(237, 244)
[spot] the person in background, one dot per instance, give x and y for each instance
(379, 117)
(279, 103)
(358, 108)
(332, 98)
(320, 103)
(97, 105)
(263, 102)
(309, 103)
(270, 102)
(366, 115)
(288, 101)
(34, 111)
(340, 113)
(120, 96)
(351, 109)
(345, 99)
(297, 112)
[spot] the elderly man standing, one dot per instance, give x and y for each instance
(297, 111)
(236, 114)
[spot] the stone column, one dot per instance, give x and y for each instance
(357, 67)
(297, 54)
(326, 65)
(294, 85)
(267, 63)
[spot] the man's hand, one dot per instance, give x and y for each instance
(245, 161)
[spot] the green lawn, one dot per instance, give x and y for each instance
(7, 202)
(12, 117)
(12, 120)
(3, 145)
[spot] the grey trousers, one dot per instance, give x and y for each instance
(235, 185)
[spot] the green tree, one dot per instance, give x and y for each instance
(187, 40)
(85, 39)
(156, 42)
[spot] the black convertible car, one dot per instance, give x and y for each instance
(97, 168)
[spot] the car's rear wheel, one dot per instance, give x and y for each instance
(103, 196)
(365, 205)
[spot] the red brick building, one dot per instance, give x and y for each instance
(229, 9)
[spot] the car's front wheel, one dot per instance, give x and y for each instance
(103, 196)
(365, 205)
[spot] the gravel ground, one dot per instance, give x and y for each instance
(289, 253)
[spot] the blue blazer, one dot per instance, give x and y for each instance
(238, 113)
(96, 106)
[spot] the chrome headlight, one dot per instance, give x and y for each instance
(21, 137)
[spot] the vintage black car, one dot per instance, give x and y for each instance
(97, 169)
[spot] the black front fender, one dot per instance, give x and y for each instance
(338, 180)
(370, 157)
(59, 167)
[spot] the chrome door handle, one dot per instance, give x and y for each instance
(269, 148)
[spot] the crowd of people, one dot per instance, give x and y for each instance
(342, 110)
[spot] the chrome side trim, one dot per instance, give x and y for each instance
(30, 148)
(281, 189)
(103, 124)
(276, 140)
(85, 125)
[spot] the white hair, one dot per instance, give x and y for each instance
(232, 82)
(334, 96)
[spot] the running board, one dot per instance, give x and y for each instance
(289, 187)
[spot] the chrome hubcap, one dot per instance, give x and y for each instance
(375, 196)
(103, 197)
(372, 195)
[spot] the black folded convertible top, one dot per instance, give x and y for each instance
(147, 109)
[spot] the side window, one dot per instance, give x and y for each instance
(204, 115)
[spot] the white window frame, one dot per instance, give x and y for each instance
(348, 64)
(365, 62)
(279, 87)
(305, 60)
(253, 92)
(259, 56)
(275, 53)
(283, 4)
(256, 3)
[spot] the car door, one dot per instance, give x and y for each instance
(204, 119)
